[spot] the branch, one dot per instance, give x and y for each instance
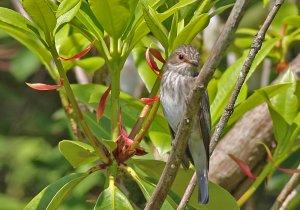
(282, 200)
(194, 98)
(255, 47)
(188, 193)
(243, 138)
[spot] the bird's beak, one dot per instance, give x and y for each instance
(194, 63)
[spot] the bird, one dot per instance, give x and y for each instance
(179, 73)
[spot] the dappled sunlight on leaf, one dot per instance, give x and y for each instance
(41, 86)
(79, 55)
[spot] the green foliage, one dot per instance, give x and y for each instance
(119, 28)
(112, 198)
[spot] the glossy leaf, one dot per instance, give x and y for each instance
(113, 15)
(51, 197)
(255, 99)
(140, 30)
(286, 103)
(112, 198)
(175, 8)
(173, 30)
(226, 85)
(42, 13)
(148, 188)
(220, 10)
(85, 19)
(77, 153)
(153, 169)
(243, 166)
(189, 32)
(280, 125)
(79, 55)
(66, 11)
(90, 64)
(25, 32)
(155, 26)
(41, 86)
(293, 21)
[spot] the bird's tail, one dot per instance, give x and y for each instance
(203, 196)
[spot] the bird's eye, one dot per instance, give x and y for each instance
(180, 56)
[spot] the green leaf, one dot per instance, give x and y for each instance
(173, 30)
(42, 13)
(155, 26)
(113, 15)
(286, 103)
(230, 76)
(112, 198)
(220, 10)
(90, 64)
(175, 8)
(66, 11)
(280, 125)
(73, 45)
(148, 188)
(140, 29)
(293, 21)
(153, 169)
(196, 25)
(286, 10)
(85, 19)
(255, 99)
(51, 197)
(25, 32)
(77, 153)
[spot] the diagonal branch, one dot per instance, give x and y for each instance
(255, 47)
(194, 98)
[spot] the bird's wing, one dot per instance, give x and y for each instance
(205, 122)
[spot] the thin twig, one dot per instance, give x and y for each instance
(255, 47)
(188, 192)
(286, 191)
(194, 98)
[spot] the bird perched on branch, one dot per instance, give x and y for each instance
(180, 72)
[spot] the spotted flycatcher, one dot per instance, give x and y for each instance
(180, 72)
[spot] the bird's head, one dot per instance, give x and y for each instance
(184, 59)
